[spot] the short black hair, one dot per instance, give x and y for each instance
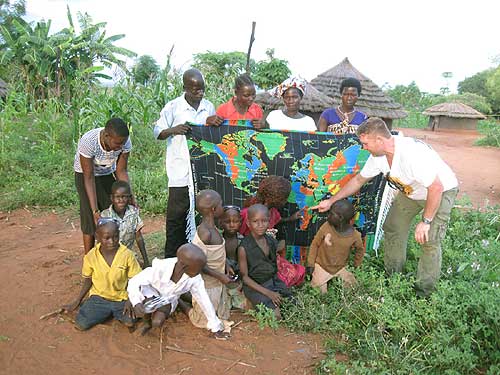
(344, 207)
(117, 126)
(253, 209)
(243, 80)
(120, 184)
(192, 74)
(350, 82)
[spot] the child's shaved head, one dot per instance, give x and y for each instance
(207, 200)
(192, 258)
(254, 209)
(344, 208)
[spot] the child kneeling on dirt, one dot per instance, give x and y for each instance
(106, 270)
(155, 292)
(331, 246)
(257, 262)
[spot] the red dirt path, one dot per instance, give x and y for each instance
(41, 260)
(477, 168)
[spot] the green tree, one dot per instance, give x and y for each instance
(57, 64)
(145, 70)
(493, 87)
(410, 96)
(271, 72)
(220, 70)
(475, 84)
(222, 63)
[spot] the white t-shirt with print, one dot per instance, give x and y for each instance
(414, 168)
(90, 147)
(176, 112)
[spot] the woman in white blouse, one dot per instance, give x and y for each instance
(292, 91)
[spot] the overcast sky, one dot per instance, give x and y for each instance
(393, 42)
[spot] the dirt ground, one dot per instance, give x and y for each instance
(41, 257)
(477, 168)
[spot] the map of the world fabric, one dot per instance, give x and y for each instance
(232, 160)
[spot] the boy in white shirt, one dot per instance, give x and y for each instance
(172, 125)
(424, 181)
(154, 293)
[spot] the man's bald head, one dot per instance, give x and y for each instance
(191, 75)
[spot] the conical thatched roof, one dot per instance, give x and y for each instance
(372, 101)
(313, 101)
(3, 88)
(453, 109)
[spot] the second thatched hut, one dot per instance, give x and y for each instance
(372, 101)
(453, 115)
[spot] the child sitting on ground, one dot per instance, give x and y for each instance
(106, 271)
(230, 223)
(273, 193)
(210, 241)
(128, 218)
(154, 293)
(331, 246)
(257, 262)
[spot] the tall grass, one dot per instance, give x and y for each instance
(38, 144)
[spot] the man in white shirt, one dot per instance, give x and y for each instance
(424, 181)
(157, 289)
(172, 125)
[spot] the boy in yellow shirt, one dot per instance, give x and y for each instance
(106, 271)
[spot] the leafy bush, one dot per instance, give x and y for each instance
(383, 328)
(491, 131)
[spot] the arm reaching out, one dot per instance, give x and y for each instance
(349, 189)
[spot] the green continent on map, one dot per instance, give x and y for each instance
(242, 159)
(273, 143)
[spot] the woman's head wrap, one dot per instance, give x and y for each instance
(292, 82)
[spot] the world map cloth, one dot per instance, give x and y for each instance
(232, 160)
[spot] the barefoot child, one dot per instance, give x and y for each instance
(128, 218)
(257, 262)
(106, 271)
(331, 246)
(273, 193)
(154, 293)
(210, 241)
(230, 223)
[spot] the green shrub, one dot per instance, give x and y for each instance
(384, 328)
(491, 131)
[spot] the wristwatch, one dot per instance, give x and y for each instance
(426, 221)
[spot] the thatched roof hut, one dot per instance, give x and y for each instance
(453, 115)
(313, 103)
(3, 89)
(372, 101)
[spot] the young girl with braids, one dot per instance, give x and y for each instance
(273, 193)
